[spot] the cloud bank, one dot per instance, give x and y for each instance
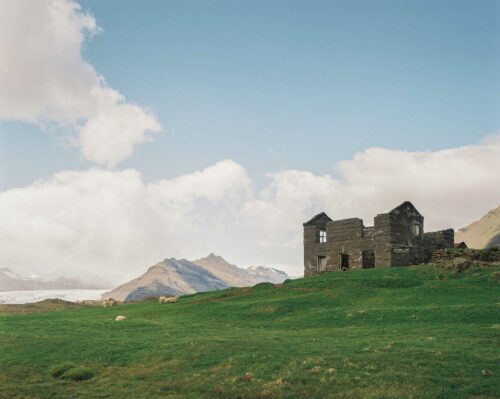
(114, 223)
(45, 80)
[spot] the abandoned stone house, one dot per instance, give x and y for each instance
(397, 238)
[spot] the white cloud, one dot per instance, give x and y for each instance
(113, 222)
(45, 80)
(221, 182)
(450, 187)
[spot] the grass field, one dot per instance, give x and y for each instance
(414, 332)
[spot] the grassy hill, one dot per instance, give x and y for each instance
(415, 332)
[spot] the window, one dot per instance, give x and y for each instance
(368, 259)
(416, 229)
(322, 236)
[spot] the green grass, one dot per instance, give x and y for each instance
(414, 332)
(59, 370)
(78, 374)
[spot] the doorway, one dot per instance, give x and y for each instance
(321, 263)
(344, 262)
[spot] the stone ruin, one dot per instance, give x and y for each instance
(397, 238)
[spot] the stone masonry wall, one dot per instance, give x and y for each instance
(436, 240)
(383, 240)
(347, 237)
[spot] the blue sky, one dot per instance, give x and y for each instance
(284, 84)
(270, 112)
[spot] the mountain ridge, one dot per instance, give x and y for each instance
(178, 277)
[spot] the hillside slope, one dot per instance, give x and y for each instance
(483, 233)
(413, 332)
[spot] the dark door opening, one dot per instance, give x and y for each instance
(368, 259)
(321, 263)
(344, 262)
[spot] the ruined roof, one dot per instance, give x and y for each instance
(320, 218)
(404, 206)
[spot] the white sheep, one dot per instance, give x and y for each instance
(120, 318)
(109, 302)
(168, 299)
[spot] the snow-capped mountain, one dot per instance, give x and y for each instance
(266, 273)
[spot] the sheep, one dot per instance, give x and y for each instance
(168, 299)
(173, 299)
(109, 302)
(120, 318)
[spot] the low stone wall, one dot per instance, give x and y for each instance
(484, 255)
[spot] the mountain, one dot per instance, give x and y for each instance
(232, 275)
(177, 277)
(12, 281)
(169, 277)
(235, 276)
(263, 273)
(483, 233)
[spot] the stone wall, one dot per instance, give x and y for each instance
(312, 247)
(348, 237)
(406, 233)
(345, 237)
(481, 255)
(434, 241)
(383, 240)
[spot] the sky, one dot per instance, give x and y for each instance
(133, 131)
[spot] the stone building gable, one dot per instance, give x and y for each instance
(408, 208)
(319, 220)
